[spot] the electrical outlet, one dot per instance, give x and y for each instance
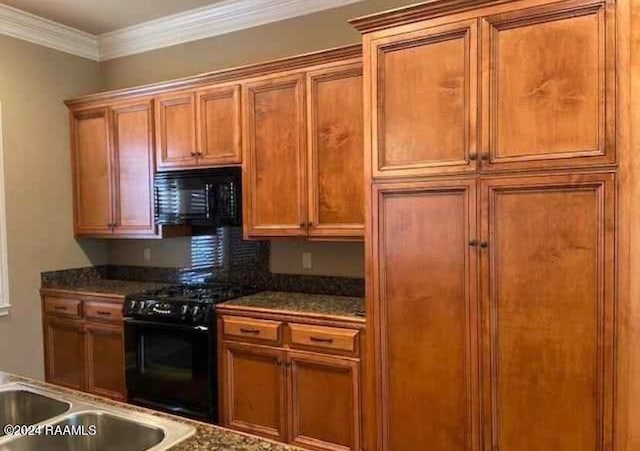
(147, 255)
(306, 260)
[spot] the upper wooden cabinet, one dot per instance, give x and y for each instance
(303, 154)
(112, 155)
(198, 128)
(219, 125)
(275, 157)
(430, 113)
(335, 151)
(92, 171)
(556, 107)
(424, 101)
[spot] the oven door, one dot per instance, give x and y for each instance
(171, 367)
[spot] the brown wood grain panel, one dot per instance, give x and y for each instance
(424, 101)
(176, 130)
(275, 157)
(335, 117)
(104, 355)
(219, 126)
(92, 170)
(556, 106)
(324, 402)
(64, 352)
(425, 315)
(548, 312)
(254, 385)
(133, 155)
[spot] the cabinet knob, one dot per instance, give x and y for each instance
(473, 156)
(309, 224)
(193, 154)
(473, 242)
(303, 225)
(484, 245)
(485, 157)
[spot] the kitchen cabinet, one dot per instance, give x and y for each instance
(303, 154)
(492, 303)
(335, 151)
(255, 390)
(176, 130)
(64, 352)
(112, 160)
(83, 343)
(274, 172)
(289, 378)
(93, 171)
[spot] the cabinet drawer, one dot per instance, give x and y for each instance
(320, 337)
(62, 306)
(253, 329)
(103, 311)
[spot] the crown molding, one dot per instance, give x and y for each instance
(37, 30)
(213, 20)
(200, 23)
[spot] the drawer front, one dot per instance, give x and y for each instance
(252, 329)
(63, 307)
(325, 338)
(103, 311)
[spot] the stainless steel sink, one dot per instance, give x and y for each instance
(110, 433)
(73, 424)
(19, 406)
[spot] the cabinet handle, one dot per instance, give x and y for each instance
(199, 153)
(485, 157)
(309, 224)
(103, 313)
(303, 225)
(193, 154)
(321, 340)
(484, 245)
(61, 308)
(473, 242)
(249, 331)
(473, 156)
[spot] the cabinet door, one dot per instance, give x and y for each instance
(92, 171)
(133, 157)
(324, 402)
(274, 171)
(336, 152)
(176, 130)
(424, 315)
(556, 107)
(548, 312)
(219, 126)
(64, 352)
(253, 390)
(423, 101)
(105, 360)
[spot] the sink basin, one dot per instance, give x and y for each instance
(25, 407)
(112, 433)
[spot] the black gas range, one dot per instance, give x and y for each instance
(170, 347)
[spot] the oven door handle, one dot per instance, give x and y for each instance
(137, 322)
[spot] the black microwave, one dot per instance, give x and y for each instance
(202, 197)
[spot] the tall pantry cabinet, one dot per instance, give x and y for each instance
(491, 174)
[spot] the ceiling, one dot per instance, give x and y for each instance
(101, 16)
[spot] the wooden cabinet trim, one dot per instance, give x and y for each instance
(252, 329)
(63, 307)
(93, 330)
(74, 325)
(103, 311)
(323, 339)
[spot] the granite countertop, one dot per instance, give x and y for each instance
(105, 287)
(207, 436)
(318, 304)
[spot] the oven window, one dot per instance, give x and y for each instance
(169, 358)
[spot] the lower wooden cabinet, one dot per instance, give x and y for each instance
(64, 352)
(81, 352)
(324, 401)
(308, 398)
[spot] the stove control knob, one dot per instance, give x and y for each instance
(195, 312)
(184, 310)
(132, 306)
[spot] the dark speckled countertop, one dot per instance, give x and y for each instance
(316, 304)
(207, 437)
(108, 287)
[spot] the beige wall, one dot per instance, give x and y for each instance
(304, 34)
(33, 82)
(314, 32)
